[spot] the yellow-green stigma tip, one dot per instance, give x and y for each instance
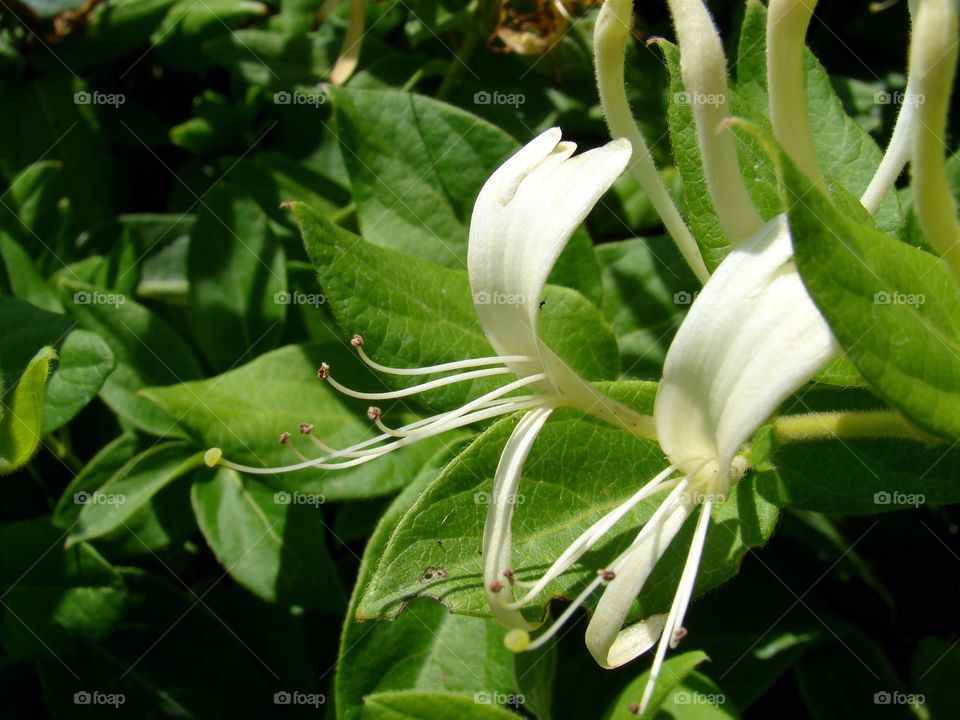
(517, 640)
(211, 457)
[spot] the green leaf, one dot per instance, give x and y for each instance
(131, 488)
(26, 281)
(675, 669)
(413, 705)
(85, 359)
(53, 597)
(187, 26)
(155, 525)
(559, 501)
(426, 648)
(22, 418)
(270, 542)
(275, 60)
(237, 279)
(878, 476)
(415, 187)
(147, 352)
(85, 363)
(647, 286)
(894, 309)
(389, 297)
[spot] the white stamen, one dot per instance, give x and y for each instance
(416, 389)
(681, 601)
(443, 367)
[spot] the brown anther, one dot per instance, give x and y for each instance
(496, 586)
(374, 413)
(284, 436)
(508, 574)
(305, 428)
(357, 341)
(606, 575)
(323, 372)
(634, 708)
(679, 634)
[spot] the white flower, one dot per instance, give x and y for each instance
(523, 218)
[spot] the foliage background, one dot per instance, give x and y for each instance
(202, 596)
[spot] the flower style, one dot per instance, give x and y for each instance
(523, 218)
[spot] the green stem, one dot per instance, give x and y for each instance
(847, 424)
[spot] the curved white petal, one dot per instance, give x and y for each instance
(607, 640)
(522, 220)
(497, 536)
(751, 338)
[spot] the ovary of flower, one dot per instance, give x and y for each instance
(523, 218)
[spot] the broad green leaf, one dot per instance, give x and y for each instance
(85, 359)
(187, 26)
(22, 417)
(416, 185)
(862, 477)
(237, 279)
(35, 194)
(53, 597)
(244, 411)
(274, 60)
(130, 489)
(147, 352)
(85, 363)
(894, 309)
(270, 543)
(426, 648)
(26, 281)
(647, 287)
(675, 669)
(163, 520)
(557, 500)
(413, 705)
(389, 297)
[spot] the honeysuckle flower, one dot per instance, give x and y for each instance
(523, 218)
